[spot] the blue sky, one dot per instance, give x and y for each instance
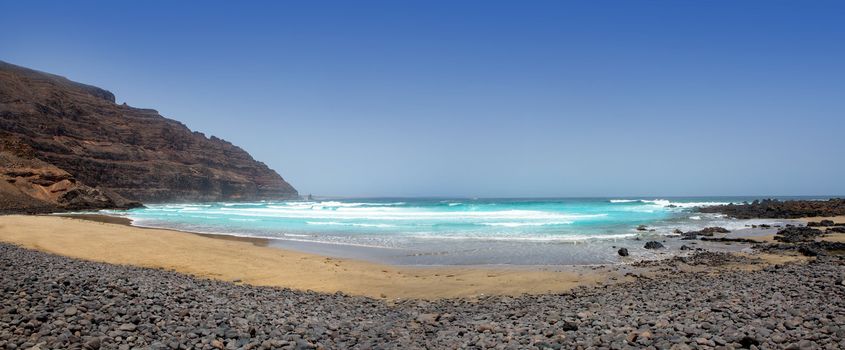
(477, 98)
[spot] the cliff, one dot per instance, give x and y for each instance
(57, 126)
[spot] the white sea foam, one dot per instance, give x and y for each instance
(667, 203)
(337, 204)
(566, 238)
(521, 224)
(295, 235)
(406, 214)
(238, 204)
(335, 223)
(202, 217)
(697, 204)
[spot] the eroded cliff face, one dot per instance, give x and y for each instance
(136, 153)
(29, 185)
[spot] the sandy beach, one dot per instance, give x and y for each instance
(246, 261)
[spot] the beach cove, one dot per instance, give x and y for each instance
(196, 291)
(252, 262)
(258, 262)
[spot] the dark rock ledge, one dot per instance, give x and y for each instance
(776, 209)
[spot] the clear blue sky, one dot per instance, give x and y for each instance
(478, 98)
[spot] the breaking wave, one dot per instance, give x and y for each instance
(669, 204)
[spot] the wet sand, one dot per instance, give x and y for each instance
(108, 219)
(242, 260)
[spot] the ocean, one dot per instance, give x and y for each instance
(450, 231)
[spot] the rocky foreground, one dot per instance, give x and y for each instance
(53, 302)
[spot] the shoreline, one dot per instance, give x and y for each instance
(242, 261)
(124, 221)
(470, 253)
(256, 261)
(370, 254)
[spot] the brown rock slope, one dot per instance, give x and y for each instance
(77, 133)
(29, 185)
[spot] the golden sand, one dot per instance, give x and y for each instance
(250, 262)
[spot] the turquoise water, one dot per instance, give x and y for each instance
(452, 231)
(392, 222)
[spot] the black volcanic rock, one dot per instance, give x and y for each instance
(135, 153)
(653, 245)
(797, 234)
(812, 248)
(775, 209)
(55, 302)
(706, 232)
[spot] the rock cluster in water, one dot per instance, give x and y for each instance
(59, 303)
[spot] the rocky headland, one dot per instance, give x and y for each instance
(68, 146)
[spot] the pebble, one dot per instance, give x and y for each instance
(70, 311)
(105, 306)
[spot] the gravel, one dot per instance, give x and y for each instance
(53, 302)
